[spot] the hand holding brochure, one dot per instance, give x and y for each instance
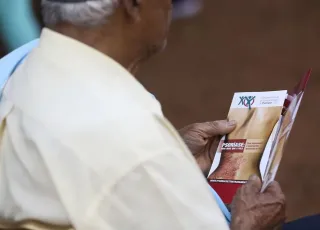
(264, 121)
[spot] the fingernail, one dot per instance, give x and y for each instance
(232, 123)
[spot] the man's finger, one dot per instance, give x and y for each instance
(217, 128)
(254, 184)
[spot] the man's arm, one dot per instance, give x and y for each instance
(129, 173)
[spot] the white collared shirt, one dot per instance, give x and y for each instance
(83, 143)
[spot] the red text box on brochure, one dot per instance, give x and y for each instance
(234, 146)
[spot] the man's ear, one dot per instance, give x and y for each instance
(132, 8)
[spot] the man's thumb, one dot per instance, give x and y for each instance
(254, 183)
(218, 128)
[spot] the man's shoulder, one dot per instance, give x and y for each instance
(75, 114)
(51, 91)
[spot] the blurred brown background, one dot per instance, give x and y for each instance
(252, 45)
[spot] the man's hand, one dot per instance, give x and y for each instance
(252, 210)
(203, 139)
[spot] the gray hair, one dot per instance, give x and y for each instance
(88, 13)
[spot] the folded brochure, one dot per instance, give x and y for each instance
(264, 122)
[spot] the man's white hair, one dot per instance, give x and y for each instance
(88, 13)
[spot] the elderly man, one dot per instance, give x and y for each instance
(85, 146)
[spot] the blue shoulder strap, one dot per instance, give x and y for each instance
(221, 204)
(11, 61)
